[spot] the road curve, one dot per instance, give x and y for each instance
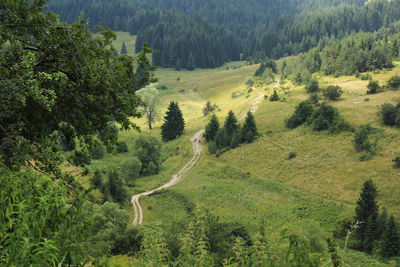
(197, 148)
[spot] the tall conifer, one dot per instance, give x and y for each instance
(174, 123)
(249, 129)
(212, 128)
(390, 246)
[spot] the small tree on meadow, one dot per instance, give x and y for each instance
(249, 130)
(394, 82)
(303, 112)
(312, 86)
(274, 97)
(148, 150)
(231, 124)
(174, 123)
(388, 112)
(123, 49)
(212, 128)
(150, 98)
(373, 87)
(332, 92)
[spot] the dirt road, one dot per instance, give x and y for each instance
(197, 148)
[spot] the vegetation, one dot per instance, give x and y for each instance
(150, 98)
(174, 123)
(332, 93)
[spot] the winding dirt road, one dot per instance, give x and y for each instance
(197, 148)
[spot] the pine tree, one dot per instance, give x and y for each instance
(274, 97)
(123, 49)
(174, 123)
(390, 246)
(212, 128)
(191, 63)
(367, 214)
(249, 129)
(231, 124)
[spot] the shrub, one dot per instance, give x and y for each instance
(122, 147)
(324, 117)
(303, 111)
(97, 179)
(236, 139)
(366, 76)
(131, 169)
(312, 86)
(332, 93)
(373, 87)
(292, 155)
(361, 138)
(161, 87)
(388, 112)
(396, 161)
(97, 150)
(314, 98)
(249, 82)
(394, 82)
(148, 150)
(274, 97)
(222, 138)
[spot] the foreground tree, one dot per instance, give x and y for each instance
(390, 246)
(231, 124)
(174, 123)
(150, 98)
(366, 215)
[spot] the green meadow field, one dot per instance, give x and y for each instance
(256, 184)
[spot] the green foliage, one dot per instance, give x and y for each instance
(268, 64)
(303, 112)
(209, 108)
(292, 155)
(312, 86)
(40, 223)
(131, 169)
(174, 123)
(231, 124)
(394, 82)
(390, 244)
(364, 139)
(314, 98)
(396, 161)
(123, 49)
(97, 149)
(212, 147)
(336, 260)
(326, 117)
(190, 62)
(97, 179)
(332, 92)
(366, 76)
(222, 138)
(115, 187)
(148, 151)
(274, 97)
(366, 214)
(150, 98)
(122, 147)
(373, 87)
(249, 130)
(212, 128)
(389, 114)
(249, 82)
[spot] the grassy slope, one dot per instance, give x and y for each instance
(256, 183)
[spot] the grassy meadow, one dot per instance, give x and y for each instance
(256, 184)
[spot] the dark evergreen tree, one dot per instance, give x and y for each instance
(212, 128)
(231, 124)
(178, 65)
(191, 64)
(303, 112)
(390, 244)
(174, 123)
(222, 138)
(123, 49)
(249, 130)
(312, 86)
(274, 97)
(366, 215)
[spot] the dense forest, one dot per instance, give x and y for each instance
(258, 29)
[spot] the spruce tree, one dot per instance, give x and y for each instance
(174, 123)
(212, 128)
(231, 124)
(123, 49)
(178, 65)
(390, 246)
(249, 129)
(191, 63)
(366, 215)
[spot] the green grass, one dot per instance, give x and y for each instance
(129, 40)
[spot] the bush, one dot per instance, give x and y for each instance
(324, 117)
(148, 150)
(122, 147)
(292, 155)
(332, 92)
(97, 179)
(394, 82)
(131, 169)
(161, 87)
(236, 139)
(373, 87)
(249, 82)
(312, 86)
(396, 161)
(388, 112)
(97, 150)
(274, 97)
(303, 111)
(366, 76)
(314, 98)
(361, 138)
